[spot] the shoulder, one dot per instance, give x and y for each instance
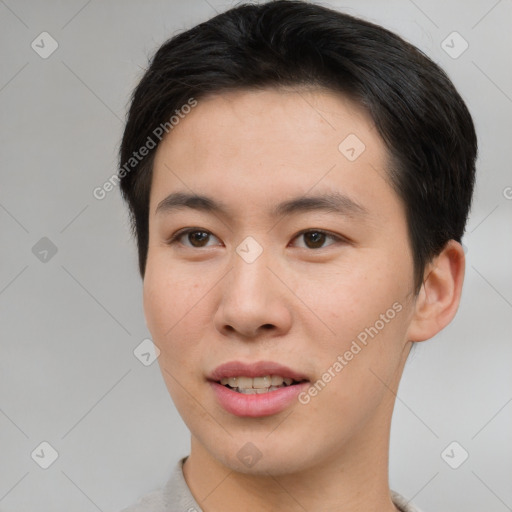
(402, 504)
(155, 501)
(174, 495)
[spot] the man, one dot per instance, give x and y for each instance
(298, 182)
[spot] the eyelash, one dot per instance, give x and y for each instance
(179, 234)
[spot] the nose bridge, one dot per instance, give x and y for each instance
(250, 274)
(251, 297)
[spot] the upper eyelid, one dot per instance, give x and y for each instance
(319, 230)
(185, 231)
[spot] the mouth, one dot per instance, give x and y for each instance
(256, 389)
(258, 385)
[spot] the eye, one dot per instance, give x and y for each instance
(196, 236)
(315, 238)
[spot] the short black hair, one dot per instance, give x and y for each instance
(422, 119)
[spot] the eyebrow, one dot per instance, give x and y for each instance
(331, 202)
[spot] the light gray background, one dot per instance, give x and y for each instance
(69, 326)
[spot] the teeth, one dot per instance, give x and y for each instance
(256, 385)
(245, 382)
(276, 380)
(260, 382)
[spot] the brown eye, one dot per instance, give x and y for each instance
(195, 238)
(316, 238)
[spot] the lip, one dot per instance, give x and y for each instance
(256, 405)
(257, 369)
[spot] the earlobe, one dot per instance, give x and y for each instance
(439, 297)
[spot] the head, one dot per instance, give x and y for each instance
(262, 110)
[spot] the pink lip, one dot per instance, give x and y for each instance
(254, 406)
(258, 369)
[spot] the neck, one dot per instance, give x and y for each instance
(354, 479)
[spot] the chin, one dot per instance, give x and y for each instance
(258, 455)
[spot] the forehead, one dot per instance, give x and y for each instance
(271, 143)
(271, 117)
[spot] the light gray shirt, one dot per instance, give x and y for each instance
(175, 496)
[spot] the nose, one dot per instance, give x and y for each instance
(254, 301)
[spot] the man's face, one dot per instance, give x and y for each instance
(324, 292)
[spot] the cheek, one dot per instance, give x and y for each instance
(365, 313)
(349, 297)
(168, 296)
(171, 307)
(175, 313)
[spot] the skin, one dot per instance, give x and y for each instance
(296, 304)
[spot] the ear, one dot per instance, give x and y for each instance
(439, 296)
